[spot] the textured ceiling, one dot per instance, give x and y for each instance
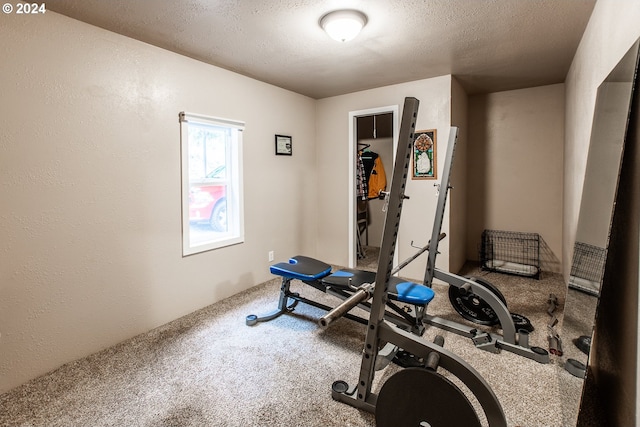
(489, 45)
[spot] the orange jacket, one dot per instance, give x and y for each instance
(377, 179)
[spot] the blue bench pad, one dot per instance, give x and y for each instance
(399, 289)
(409, 292)
(301, 268)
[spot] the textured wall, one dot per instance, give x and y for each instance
(333, 169)
(459, 175)
(90, 189)
(515, 164)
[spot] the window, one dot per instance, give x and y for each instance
(212, 209)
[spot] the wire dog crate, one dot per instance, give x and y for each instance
(511, 252)
(587, 268)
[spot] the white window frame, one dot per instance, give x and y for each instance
(234, 190)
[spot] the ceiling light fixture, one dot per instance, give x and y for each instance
(343, 25)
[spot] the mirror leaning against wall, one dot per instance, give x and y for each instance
(606, 145)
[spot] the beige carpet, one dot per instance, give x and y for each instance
(210, 369)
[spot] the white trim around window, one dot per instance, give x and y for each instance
(212, 190)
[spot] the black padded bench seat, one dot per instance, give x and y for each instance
(347, 278)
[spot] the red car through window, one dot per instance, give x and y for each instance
(208, 201)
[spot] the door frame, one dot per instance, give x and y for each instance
(353, 138)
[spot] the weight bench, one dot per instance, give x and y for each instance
(345, 283)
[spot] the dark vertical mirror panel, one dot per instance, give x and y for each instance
(608, 134)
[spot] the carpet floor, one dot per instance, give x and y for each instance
(210, 369)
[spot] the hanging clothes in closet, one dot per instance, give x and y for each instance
(375, 175)
(362, 190)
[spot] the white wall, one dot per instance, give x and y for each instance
(332, 151)
(459, 211)
(515, 164)
(611, 31)
(90, 189)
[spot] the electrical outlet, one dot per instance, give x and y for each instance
(271, 256)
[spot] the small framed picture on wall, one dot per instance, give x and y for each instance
(424, 155)
(283, 145)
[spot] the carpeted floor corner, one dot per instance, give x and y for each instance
(210, 369)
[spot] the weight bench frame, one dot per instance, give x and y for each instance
(380, 331)
(288, 300)
(512, 340)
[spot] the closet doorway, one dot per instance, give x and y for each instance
(372, 146)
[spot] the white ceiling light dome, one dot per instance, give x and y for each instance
(343, 25)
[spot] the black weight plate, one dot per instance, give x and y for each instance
(491, 287)
(407, 360)
(472, 307)
(420, 397)
(521, 322)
